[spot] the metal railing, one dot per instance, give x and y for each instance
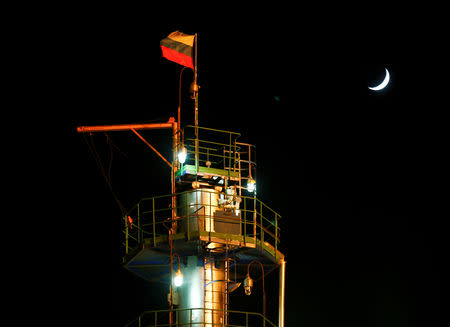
(197, 209)
(160, 318)
(220, 153)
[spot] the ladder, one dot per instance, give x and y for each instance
(215, 292)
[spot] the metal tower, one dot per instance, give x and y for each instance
(201, 239)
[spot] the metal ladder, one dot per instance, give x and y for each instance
(214, 288)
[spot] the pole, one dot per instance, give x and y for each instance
(179, 99)
(125, 127)
(195, 91)
(281, 293)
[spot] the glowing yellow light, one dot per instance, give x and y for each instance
(178, 280)
(251, 185)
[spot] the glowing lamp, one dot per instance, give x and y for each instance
(182, 155)
(251, 185)
(178, 280)
(248, 284)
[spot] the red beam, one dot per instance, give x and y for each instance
(125, 127)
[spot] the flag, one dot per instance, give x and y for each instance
(178, 47)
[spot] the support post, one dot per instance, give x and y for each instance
(281, 293)
(195, 95)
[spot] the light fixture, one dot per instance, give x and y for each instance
(248, 284)
(251, 185)
(182, 155)
(178, 280)
(233, 286)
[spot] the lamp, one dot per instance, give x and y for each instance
(178, 280)
(251, 185)
(182, 155)
(248, 284)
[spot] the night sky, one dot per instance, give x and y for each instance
(354, 173)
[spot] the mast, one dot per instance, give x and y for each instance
(194, 89)
(210, 222)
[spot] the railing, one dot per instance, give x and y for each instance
(160, 318)
(197, 210)
(220, 153)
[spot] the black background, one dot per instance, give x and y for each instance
(357, 175)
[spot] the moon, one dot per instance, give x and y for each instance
(383, 84)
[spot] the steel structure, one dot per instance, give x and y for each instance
(212, 223)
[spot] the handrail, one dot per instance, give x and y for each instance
(221, 141)
(213, 130)
(149, 214)
(162, 315)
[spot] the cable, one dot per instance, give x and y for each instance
(93, 150)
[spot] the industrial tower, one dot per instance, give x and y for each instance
(201, 239)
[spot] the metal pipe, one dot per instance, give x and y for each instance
(125, 127)
(281, 293)
(153, 148)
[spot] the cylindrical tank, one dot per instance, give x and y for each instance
(204, 287)
(197, 208)
(191, 292)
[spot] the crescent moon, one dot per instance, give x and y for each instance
(383, 84)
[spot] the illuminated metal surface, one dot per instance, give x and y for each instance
(281, 290)
(218, 212)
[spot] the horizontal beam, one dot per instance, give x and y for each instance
(125, 127)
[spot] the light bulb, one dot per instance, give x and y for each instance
(251, 185)
(178, 280)
(182, 155)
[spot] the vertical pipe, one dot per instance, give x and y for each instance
(154, 223)
(254, 218)
(196, 105)
(188, 222)
(171, 280)
(262, 231)
(245, 220)
(276, 235)
(173, 170)
(229, 156)
(126, 234)
(281, 293)
(139, 223)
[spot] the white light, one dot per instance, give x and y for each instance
(251, 185)
(178, 280)
(182, 155)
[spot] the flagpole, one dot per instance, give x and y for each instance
(195, 90)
